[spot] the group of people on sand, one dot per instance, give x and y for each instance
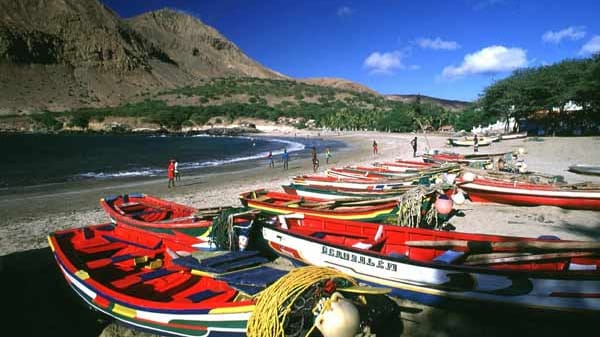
(285, 158)
(174, 176)
(173, 172)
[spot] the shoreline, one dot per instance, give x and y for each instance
(26, 219)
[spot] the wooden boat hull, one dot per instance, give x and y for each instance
(511, 136)
(530, 195)
(119, 299)
(434, 283)
(283, 203)
(461, 142)
(325, 193)
(161, 217)
(353, 184)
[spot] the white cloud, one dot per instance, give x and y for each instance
(591, 47)
(345, 11)
(437, 43)
(571, 33)
(493, 59)
(384, 63)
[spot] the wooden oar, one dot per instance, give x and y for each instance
(528, 258)
(488, 246)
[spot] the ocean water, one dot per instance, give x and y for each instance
(46, 159)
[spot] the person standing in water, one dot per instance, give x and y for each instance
(315, 160)
(413, 143)
(171, 173)
(327, 155)
(475, 144)
(375, 148)
(285, 157)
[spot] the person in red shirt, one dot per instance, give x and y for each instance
(171, 173)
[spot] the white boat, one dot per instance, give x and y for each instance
(510, 136)
(465, 142)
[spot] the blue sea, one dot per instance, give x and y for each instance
(33, 159)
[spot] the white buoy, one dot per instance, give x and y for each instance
(468, 176)
(341, 319)
(458, 197)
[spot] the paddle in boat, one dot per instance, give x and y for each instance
(446, 268)
(282, 203)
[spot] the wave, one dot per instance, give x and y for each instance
(291, 146)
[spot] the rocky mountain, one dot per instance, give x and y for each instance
(452, 105)
(62, 54)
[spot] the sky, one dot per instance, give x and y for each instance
(449, 49)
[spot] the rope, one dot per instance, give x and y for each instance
(292, 295)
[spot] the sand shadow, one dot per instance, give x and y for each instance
(591, 232)
(39, 300)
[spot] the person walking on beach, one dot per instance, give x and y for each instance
(315, 160)
(327, 155)
(375, 148)
(475, 144)
(413, 143)
(270, 157)
(171, 173)
(176, 171)
(285, 157)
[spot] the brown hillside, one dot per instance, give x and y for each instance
(61, 54)
(448, 104)
(339, 83)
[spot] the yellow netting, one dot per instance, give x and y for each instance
(275, 302)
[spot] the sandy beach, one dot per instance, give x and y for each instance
(26, 218)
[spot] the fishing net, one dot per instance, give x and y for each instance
(223, 234)
(416, 207)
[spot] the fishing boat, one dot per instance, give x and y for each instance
(510, 136)
(465, 142)
(450, 157)
(487, 189)
(164, 218)
(585, 169)
(335, 193)
(402, 167)
(129, 275)
(354, 184)
(282, 203)
(447, 268)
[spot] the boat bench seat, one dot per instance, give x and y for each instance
(203, 295)
(448, 257)
(130, 280)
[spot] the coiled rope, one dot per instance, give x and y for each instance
(276, 303)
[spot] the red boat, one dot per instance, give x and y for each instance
(485, 189)
(178, 222)
(129, 275)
